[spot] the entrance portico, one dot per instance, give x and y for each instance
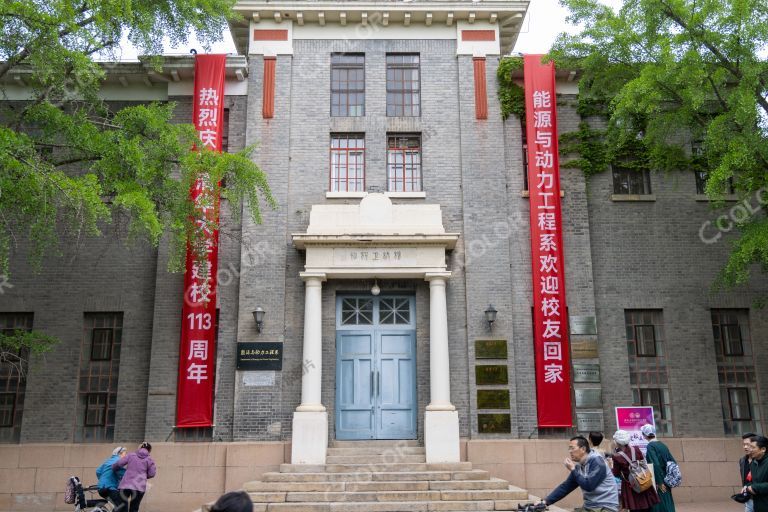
(375, 239)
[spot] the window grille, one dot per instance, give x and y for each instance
(347, 163)
(13, 382)
(404, 163)
(736, 371)
(98, 379)
(629, 181)
(347, 85)
(403, 85)
(647, 364)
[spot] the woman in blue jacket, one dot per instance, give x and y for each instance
(109, 479)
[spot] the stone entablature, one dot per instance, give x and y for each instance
(375, 239)
(376, 20)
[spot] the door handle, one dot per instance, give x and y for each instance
(373, 391)
(378, 383)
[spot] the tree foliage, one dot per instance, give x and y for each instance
(70, 163)
(677, 75)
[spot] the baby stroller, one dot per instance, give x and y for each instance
(75, 495)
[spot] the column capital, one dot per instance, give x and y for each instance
(437, 276)
(313, 276)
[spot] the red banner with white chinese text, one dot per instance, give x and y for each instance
(550, 318)
(197, 354)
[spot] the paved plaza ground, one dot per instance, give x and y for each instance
(720, 506)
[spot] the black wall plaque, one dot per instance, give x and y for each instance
(493, 399)
(253, 356)
(494, 423)
(491, 374)
(490, 349)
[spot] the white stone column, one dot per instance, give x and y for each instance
(441, 419)
(310, 421)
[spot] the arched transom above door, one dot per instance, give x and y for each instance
(375, 239)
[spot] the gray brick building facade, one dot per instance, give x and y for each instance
(622, 254)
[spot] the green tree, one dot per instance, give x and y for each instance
(69, 163)
(671, 74)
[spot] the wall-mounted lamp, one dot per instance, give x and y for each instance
(490, 315)
(375, 290)
(258, 315)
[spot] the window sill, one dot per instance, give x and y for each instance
(633, 197)
(360, 195)
(705, 198)
(406, 195)
(527, 193)
(345, 195)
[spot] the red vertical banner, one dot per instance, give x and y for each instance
(550, 318)
(197, 354)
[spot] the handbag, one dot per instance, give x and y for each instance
(673, 477)
(742, 497)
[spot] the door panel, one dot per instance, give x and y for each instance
(354, 392)
(376, 371)
(396, 400)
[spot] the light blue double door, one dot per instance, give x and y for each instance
(375, 367)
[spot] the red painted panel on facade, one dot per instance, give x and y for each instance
(268, 97)
(270, 35)
(481, 91)
(478, 35)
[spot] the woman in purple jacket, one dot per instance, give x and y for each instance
(139, 467)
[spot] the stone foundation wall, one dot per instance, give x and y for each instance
(33, 476)
(709, 466)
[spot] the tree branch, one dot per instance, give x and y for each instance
(76, 160)
(697, 34)
(27, 51)
(717, 93)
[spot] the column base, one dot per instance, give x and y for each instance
(309, 444)
(441, 436)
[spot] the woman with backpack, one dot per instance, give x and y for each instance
(628, 464)
(659, 455)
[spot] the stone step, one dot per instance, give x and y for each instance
(387, 458)
(462, 506)
(513, 493)
(410, 506)
(386, 486)
(381, 450)
(357, 497)
(469, 485)
(373, 468)
(319, 477)
(474, 474)
(370, 444)
(385, 476)
(393, 506)
(296, 486)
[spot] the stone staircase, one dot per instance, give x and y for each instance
(382, 476)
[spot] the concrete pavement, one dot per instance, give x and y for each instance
(720, 506)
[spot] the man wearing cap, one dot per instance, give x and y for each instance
(659, 455)
(589, 471)
(109, 479)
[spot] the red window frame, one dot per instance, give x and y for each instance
(411, 172)
(340, 180)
